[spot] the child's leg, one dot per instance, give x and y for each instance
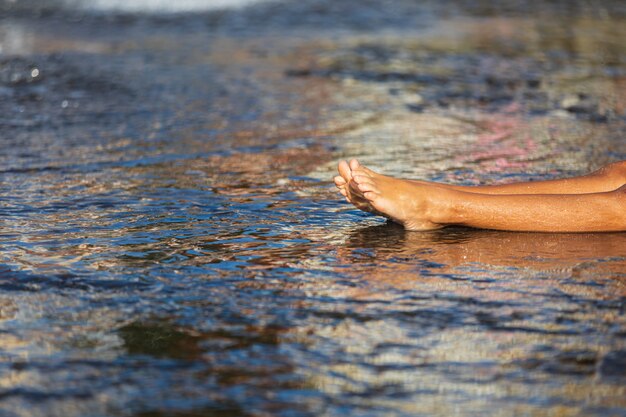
(607, 178)
(420, 205)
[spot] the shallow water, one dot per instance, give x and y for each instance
(171, 244)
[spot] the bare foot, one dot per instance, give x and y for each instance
(403, 201)
(348, 188)
(342, 180)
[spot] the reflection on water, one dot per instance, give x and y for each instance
(171, 244)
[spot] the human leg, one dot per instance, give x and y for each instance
(420, 205)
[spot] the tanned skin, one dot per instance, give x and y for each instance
(594, 202)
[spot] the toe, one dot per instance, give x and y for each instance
(344, 171)
(367, 186)
(370, 195)
(353, 187)
(354, 164)
(364, 187)
(339, 181)
(362, 179)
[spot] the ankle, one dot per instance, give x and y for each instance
(443, 207)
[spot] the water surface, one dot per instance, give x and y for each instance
(171, 243)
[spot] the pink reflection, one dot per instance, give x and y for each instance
(504, 145)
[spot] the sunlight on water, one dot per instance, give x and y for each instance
(172, 245)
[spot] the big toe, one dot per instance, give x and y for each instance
(345, 171)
